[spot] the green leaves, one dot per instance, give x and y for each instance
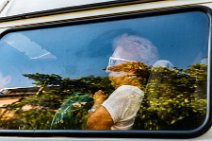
(174, 99)
(39, 110)
(44, 79)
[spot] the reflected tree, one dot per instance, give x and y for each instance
(37, 111)
(175, 99)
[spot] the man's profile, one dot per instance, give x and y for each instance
(118, 111)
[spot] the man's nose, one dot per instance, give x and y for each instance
(111, 74)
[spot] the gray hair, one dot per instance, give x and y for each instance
(135, 48)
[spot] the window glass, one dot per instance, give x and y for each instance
(141, 73)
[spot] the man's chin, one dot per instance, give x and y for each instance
(115, 85)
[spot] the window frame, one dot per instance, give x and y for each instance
(62, 10)
(129, 133)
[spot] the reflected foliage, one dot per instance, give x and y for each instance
(38, 111)
(174, 99)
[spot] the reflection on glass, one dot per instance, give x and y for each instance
(133, 74)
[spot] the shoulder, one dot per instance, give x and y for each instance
(129, 89)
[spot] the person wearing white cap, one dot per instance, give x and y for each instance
(118, 111)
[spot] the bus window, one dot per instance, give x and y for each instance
(132, 73)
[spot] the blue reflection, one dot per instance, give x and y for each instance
(81, 50)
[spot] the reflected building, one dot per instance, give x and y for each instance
(10, 95)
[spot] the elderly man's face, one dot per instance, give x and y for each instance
(121, 78)
(119, 56)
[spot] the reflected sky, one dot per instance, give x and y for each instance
(81, 50)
